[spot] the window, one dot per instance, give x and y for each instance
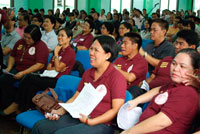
(69, 4)
(172, 5)
(126, 5)
(164, 5)
(63, 4)
(5, 3)
(196, 5)
(115, 4)
(168, 4)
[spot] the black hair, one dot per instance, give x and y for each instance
(50, 10)
(192, 25)
(42, 9)
(109, 45)
(39, 17)
(59, 20)
(51, 18)
(111, 16)
(108, 26)
(68, 32)
(25, 16)
(71, 14)
(134, 37)
(194, 55)
(91, 24)
(190, 36)
(127, 25)
(162, 23)
(36, 10)
(34, 31)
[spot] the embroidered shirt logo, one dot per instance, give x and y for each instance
(164, 64)
(130, 68)
(31, 51)
(161, 98)
(19, 47)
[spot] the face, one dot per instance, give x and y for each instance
(128, 47)
(86, 27)
(146, 24)
(180, 66)
(63, 39)
(123, 30)
(179, 44)
(47, 24)
(21, 21)
(9, 24)
(57, 25)
(157, 32)
(97, 55)
(115, 17)
(28, 39)
(104, 30)
(36, 22)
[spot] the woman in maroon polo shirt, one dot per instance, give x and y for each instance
(174, 106)
(29, 54)
(102, 52)
(62, 62)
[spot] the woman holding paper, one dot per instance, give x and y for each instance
(103, 74)
(29, 54)
(174, 106)
(61, 63)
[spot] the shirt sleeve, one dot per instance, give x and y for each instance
(88, 41)
(52, 43)
(12, 42)
(68, 58)
(180, 103)
(42, 53)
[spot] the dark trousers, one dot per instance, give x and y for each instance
(136, 91)
(68, 125)
(7, 90)
(29, 86)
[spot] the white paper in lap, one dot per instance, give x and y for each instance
(86, 101)
(128, 118)
(49, 73)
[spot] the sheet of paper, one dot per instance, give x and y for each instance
(49, 73)
(4, 71)
(86, 101)
(145, 85)
(128, 118)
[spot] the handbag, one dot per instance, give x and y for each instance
(46, 103)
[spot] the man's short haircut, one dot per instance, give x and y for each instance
(135, 38)
(162, 23)
(39, 17)
(51, 18)
(190, 36)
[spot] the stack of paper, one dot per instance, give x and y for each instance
(86, 101)
(128, 118)
(49, 73)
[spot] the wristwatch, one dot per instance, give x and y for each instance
(145, 54)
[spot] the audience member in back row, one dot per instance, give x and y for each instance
(48, 35)
(107, 29)
(102, 52)
(29, 55)
(23, 21)
(84, 41)
(62, 62)
(160, 48)
(174, 106)
(132, 65)
(9, 39)
(161, 74)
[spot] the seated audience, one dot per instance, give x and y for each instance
(145, 34)
(48, 35)
(9, 39)
(132, 65)
(29, 55)
(23, 21)
(107, 29)
(72, 22)
(58, 25)
(84, 41)
(102, 52)
(166, 113)
(160, 48)
(62, 62)
(37, 20)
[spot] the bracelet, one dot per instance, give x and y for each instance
(145, 54)
(86, 121)
(56, 57)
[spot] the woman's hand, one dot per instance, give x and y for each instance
(84, 119)
(55, 114)
(19, 75)
(56, 50)
(132, 103)
(192, 80)
(126, 132)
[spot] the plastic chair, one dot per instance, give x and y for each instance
(83, 57)
(145, 42)
(128, 96)
(49, 58)
(65, 88)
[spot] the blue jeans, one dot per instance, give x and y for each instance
(68, 125)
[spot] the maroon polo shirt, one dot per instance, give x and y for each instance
(66, 56)
(162, 73)
(84, 40)
(137, 65)
(113, 81)
(25, 56)
(179, 103)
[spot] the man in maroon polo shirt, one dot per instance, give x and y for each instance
(132, 65)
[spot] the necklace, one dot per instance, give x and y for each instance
(24, 51)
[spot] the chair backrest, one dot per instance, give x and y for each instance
(145, 42)
(66, 86)
(128, 96)
(83, 57)
(49, 58)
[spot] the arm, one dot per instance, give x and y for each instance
(151, 77)
(82, 48)
(130, 77)
(59, 66)
(6, 50)
(151, 60)
(152, 124)
(33, 68)
(197, 132)
(109, 115)
(11, 62)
